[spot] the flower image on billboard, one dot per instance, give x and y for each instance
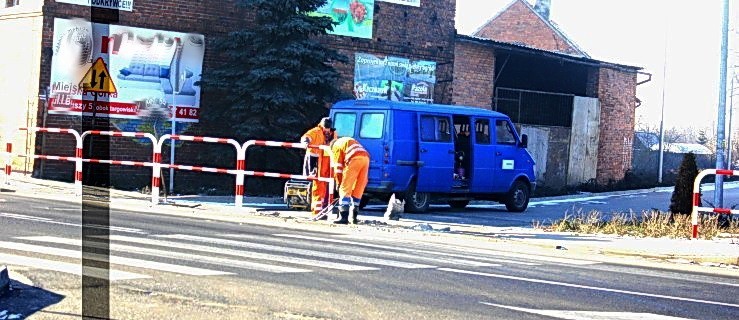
(381, 77)
(353, 18)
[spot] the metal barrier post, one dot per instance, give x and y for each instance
(697, 198)
(296, 145)
(155, 195)
(239, 161)
(8, 161)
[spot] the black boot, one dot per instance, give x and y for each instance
(343, 216)
(355, 214)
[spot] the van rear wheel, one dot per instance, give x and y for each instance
(517, 199)
(416, 201)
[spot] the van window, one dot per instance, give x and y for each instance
(504, 133)
(435, 129)
(482, 131)
(372, 125)
(345, 123)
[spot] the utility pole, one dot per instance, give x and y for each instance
(718, 196)
(662, 117)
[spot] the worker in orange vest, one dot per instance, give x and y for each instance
(320, 161)
(351, 168)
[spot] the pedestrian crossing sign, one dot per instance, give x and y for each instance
(98, 79)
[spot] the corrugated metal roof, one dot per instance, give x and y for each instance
(553, 54)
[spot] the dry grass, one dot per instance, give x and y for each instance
(653, 224)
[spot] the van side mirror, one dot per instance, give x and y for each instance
(524, 141)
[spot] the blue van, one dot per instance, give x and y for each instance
(425, 152)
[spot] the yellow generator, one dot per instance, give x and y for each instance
(297, 194)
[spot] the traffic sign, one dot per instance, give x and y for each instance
(98, 79)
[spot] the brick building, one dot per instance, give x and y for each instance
(406, 31)
(579, 112)
(517, 62)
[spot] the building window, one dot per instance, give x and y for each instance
(11, 3)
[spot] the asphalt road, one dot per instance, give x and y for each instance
(167, 267)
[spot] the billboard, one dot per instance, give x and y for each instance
(381, 77)
(126, 5)
(354, 18)
(414, 3)
(125, 72)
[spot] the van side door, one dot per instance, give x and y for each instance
(483, 160)
(435, 153)
(505, 148)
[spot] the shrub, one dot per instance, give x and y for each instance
(682, 196)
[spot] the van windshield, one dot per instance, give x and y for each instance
(372, 125)
(345, 124)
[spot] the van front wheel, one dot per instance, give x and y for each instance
(518, 197)
(416, 201)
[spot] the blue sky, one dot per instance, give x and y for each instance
(633, 32)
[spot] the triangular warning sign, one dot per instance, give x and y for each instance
(98, 79)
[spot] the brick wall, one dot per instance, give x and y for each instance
(519, 24)
(474, 71)
(616, 92)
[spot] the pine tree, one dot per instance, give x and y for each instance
(682, 196)
(277, 77)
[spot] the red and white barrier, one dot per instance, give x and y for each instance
(240, 163)
(154, 164)
(697, 198)
(77, 159)
(326, 149)
(240, 171)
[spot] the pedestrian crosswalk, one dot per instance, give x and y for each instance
(142, 256)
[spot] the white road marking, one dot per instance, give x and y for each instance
(176, 255)
(589, 315)
(113, 259)
(459, 259)
(296, 251)
(483, 251)
(571, 285)
(244, 254)
(71, 268)
(47, 220)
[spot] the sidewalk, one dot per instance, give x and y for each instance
(722, 254)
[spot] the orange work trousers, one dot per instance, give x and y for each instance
(319, 189)
(354, 177)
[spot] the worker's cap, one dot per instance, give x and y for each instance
(327, 123)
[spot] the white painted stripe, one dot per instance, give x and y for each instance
(127, 163)
(77, 254)
(396, 248)
(487, 252)
(184, 167)
(209, 169)
(571, 285)
(245, 254)
(47, 220)
(328, 255)
(181, 256)
(588, 315)
(71, 268)
(271, 174)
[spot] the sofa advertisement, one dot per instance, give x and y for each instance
(381, 77)
(152, 72)
(414, 3)
(354, 18)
